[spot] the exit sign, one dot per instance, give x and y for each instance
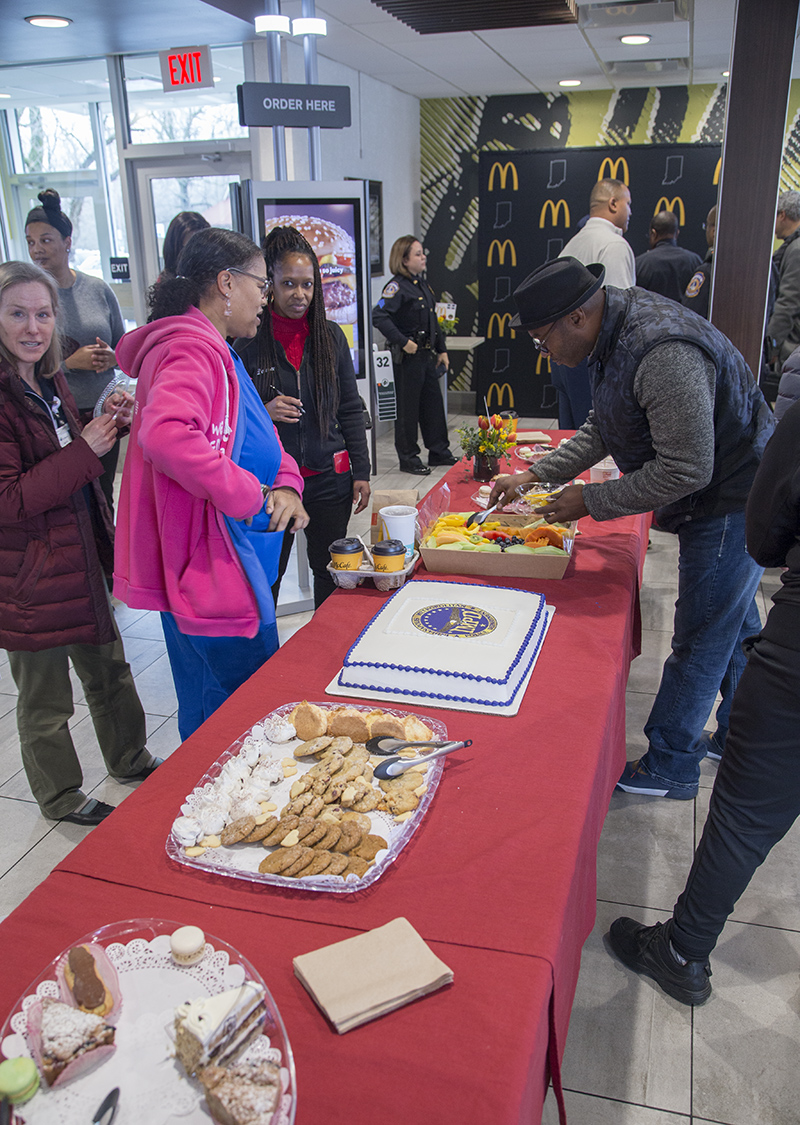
(185, 68)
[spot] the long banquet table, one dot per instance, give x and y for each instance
(499, 880)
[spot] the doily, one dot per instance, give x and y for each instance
(152, 986)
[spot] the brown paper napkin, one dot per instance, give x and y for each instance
(366, 976)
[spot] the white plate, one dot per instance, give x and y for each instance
(240, 861)
(154, 1087)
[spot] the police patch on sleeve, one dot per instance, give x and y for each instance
(390, 289)
(696, 284)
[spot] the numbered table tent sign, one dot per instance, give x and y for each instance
(384, 385)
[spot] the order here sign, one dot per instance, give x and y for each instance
(185, 68)
(294, 105)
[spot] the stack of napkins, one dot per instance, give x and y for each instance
(363, 977)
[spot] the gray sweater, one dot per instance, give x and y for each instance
(88, 309)
(675, 385)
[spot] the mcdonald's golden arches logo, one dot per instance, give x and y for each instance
(501, 320)
(503, 170)
(540, 361)
(675, 204)
(609, 170)
(717, 171)
(507, 244)
(498, 393)
(554, 209)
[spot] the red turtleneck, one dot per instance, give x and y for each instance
(291, 335)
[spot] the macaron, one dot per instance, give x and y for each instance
(187, 945)
(19, 1080)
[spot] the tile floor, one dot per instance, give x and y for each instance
(633, 1056)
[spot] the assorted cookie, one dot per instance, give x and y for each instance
(324, 828)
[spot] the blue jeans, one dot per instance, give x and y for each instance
(207, 670)
(714, 613)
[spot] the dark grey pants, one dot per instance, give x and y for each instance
(44, 708)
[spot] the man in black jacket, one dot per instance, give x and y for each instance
(756, 796)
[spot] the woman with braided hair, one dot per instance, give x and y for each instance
(301, 366)
(207, 489)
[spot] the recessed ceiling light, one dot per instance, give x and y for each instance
(634, 40)
(570, 82)
(5, 95)
(726, 74)
(48, 21)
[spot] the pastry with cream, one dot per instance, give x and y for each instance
(217, 1029)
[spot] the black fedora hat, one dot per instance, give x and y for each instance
(555, 289)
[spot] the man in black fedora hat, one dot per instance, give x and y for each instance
(676, 406)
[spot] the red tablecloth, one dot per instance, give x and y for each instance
(504, 864)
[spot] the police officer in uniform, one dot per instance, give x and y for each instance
(406, 315)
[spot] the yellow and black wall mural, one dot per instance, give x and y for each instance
(511, 152)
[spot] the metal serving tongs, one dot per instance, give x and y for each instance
(394, 765)
(521, 490)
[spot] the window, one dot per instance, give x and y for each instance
(197, 114)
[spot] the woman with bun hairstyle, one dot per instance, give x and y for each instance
(179, 231)
(406, 315)
(56, 546)
(90, 321)
(207, 489)
(302, 369)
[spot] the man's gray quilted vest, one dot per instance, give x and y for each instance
(635, 322)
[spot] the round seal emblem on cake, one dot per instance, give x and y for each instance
(454, 620)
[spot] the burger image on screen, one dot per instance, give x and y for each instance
(336, 253)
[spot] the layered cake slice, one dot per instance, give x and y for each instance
(66, 1040)
(216, 1029)
(244, 1094)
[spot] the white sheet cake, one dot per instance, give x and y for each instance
(449, 642)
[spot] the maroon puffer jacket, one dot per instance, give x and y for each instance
(52, 551)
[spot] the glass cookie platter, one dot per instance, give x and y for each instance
(241, 861)
(153, 1085)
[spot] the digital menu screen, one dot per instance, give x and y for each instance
(332, 227)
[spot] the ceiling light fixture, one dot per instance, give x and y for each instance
(48, 21)
(726, 74)
(5, 95)
(308, 25)
(634, 40)
(570, 82)
(281, 24)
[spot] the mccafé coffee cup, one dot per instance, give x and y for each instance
(388, 555)
(346, 554)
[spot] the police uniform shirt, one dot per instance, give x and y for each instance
(667, 269)
(407, 306)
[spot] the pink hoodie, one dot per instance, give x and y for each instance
(173, 551)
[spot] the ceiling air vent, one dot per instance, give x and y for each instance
(639, 12)
(644, 68)
(432, 17)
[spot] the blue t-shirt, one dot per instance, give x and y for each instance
(257, 449)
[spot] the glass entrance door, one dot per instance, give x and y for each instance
(198, 183)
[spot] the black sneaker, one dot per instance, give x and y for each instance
(415, 467)
(92, 813)
(142, 775)
(646, 949)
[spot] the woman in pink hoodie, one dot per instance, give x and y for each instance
(207, 490)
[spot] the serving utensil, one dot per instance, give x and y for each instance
(394, 765)
(109, 1102)
(520, 490)
(387, 744)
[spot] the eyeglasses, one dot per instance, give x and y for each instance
(540, 344)
(263, 282)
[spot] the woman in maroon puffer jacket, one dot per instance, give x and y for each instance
(55, 542)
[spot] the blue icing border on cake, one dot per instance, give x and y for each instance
(410, 692)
